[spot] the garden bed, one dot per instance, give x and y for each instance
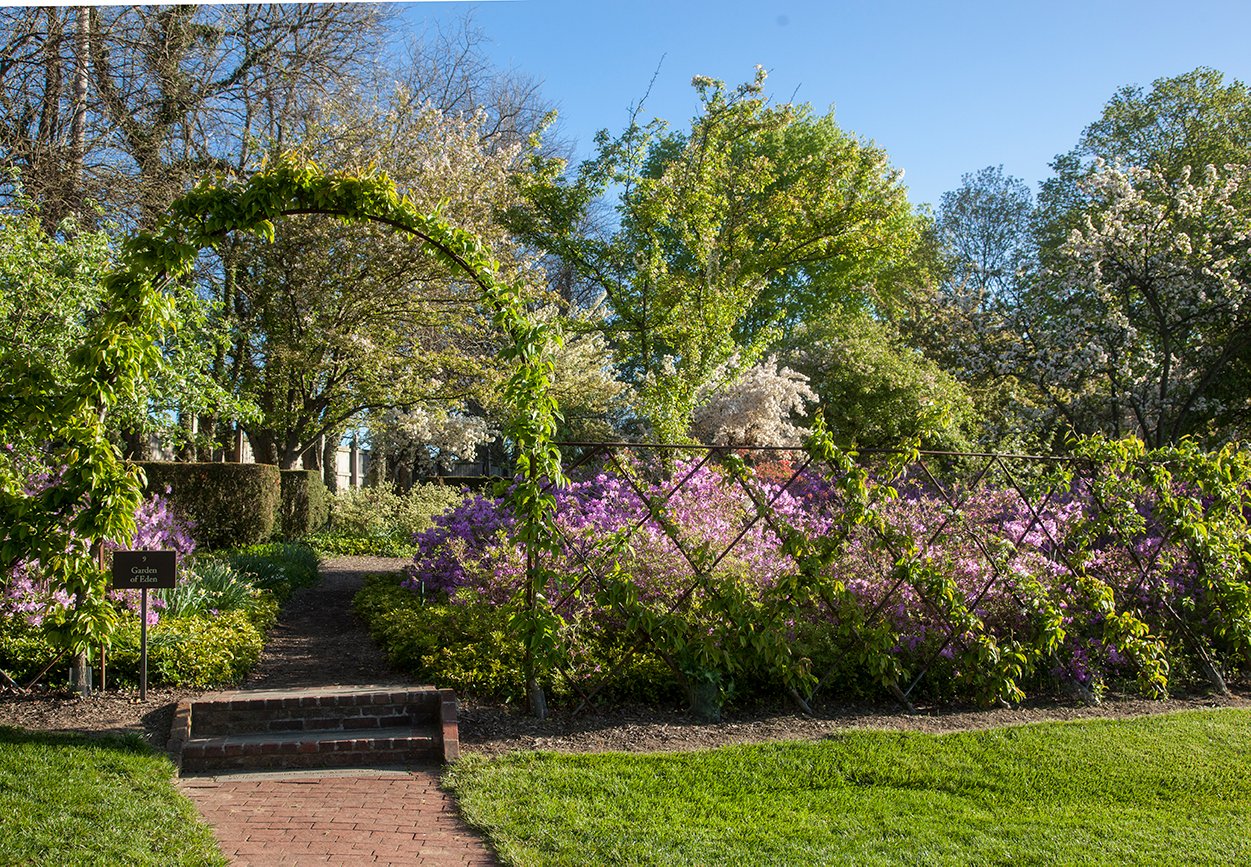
(491, 729)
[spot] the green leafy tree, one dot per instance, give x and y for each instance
(85, 345)
(127, 107)
(330, 323)
(756, 217)
(984, 226)
(876, 391)
(966, 321)
(50, 288)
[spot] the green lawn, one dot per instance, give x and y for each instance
(68, 800)
(1156, 790)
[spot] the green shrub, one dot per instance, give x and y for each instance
(24, 650)
(305, 503)
(280, 567)
(230, 504)
(183, 649)
(466, 645)
(330, 543)
(380, 511)
(377, 520)
(189, 652)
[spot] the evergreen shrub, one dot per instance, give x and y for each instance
(305, 503)
(230, 504)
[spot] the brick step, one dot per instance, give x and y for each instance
(320, 727)
(289, 711)
(315, 749)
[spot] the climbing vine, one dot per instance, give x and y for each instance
(97, 486)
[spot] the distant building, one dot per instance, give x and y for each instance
(352, 462)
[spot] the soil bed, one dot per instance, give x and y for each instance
(492, 730)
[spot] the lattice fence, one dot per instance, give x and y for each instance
(924, 575)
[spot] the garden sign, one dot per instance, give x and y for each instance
(144, 571)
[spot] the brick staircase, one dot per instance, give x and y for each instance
(324, 727)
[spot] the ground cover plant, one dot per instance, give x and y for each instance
(1166, 789)
(1119, 567)
(280, 567)
(71, 799)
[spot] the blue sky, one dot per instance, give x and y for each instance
(945, 87)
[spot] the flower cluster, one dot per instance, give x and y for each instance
(28, 596)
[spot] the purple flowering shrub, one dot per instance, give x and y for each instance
(157, 528)
(28, 597)
(211, 637)
(468, 546)
(845, 583)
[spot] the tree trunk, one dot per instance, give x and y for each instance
(377, 473)
(135, 445)
(264, 447)
(80, 675)
(234, 446)
(330, 462)
(78, 123)
(190, 432)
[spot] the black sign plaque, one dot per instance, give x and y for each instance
(143, 570)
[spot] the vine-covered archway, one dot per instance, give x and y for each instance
(124, 349)
(203, 217)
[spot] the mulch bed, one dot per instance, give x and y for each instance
(319, 641)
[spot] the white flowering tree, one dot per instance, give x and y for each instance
(757, 408)
(424, 438)
(1142, 324)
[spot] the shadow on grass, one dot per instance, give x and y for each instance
(124, 742)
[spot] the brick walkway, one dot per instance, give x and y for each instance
(324, 817)
(331, 817)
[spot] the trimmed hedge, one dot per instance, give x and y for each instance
(305, 503)
(230, 504)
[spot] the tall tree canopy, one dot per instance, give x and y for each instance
(1145, 324)
(1138, 319)
(758, 216)
(1128, 310)
(1182, 124)
(128, 105)
(329, 322)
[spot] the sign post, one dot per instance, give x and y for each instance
(144, 571)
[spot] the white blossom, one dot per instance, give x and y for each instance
(756, 408)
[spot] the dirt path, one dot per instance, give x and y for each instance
(319, 640)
